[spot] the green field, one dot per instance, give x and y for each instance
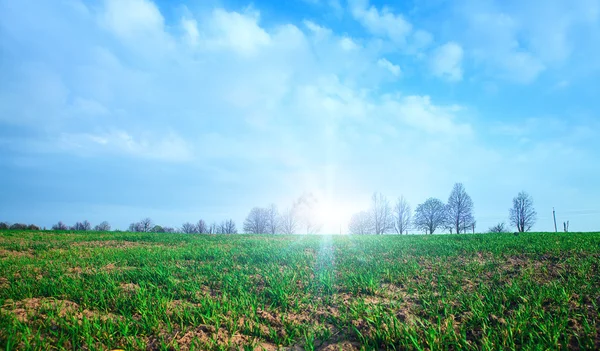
(175, 291)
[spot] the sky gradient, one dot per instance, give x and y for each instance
(179, 110)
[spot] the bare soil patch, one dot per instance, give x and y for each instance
(37, 308)
(15, 254)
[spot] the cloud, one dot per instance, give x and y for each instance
(190, 28)
(419, 112)
(382, 22)
(170, 147)
(132, 18)
(236, 31)
(269, 107)
(394, 69)
(517, 42)
(446, 62)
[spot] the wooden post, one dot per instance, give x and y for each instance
(554, 215)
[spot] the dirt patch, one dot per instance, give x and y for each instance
(341, 346)
(75, 270)
(269, 317)
(178, 306)
(543, 270)
(38, 308)
(109, 268)
(113, 243)
(206, 291)
(4, 283)
(15, 254)
(207, 336)
(129, 288)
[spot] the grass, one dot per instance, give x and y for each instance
(130, 291)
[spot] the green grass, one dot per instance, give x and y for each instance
(197, 292)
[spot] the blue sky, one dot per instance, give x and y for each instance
(180, 110)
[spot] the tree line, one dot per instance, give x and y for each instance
(454, 216)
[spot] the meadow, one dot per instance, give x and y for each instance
(97, 291)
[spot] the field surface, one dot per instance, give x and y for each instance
(129, 291)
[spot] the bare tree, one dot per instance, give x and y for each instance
(228, 227)
(522, 214)
(135, 227)
(288, 221)
(381, 213)
(460, 209)
(146, 225)
(189, 228)
(201, 227)
(272, 219)
(498, 228)
(102, 227)
(4, 226)
(157, 229)
(361, 223)
(60, 226)
(213, 228)
(257, 221)
(83, 226)
(402, 216)
(306, 207)
(430, 215)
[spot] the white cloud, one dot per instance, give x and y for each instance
(132, 18)
(394, 69)
(419, 112)
(382, 22)
(171, 147)
(446, 61)
(190, 28)
(514, 43)
(319, 31)
(236, 31)
(348, 44)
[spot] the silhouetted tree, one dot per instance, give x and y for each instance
(189, 228)
(361, 223)
(430, 215)
(381, 214)
(402, 216)
(201, 227)
(288, 221)
(33, 227)
(146, 225)
(83, 226)
(4, 225)
(102, 227)
(228, 227)
(18, 226)
(522, 214)
(60, 226)
(498, 228)
(306, 209)
(272, 219)
(257, 221)
(460, 209)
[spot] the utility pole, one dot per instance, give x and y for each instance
(554, 215)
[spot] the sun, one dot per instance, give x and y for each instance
(333, 217)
